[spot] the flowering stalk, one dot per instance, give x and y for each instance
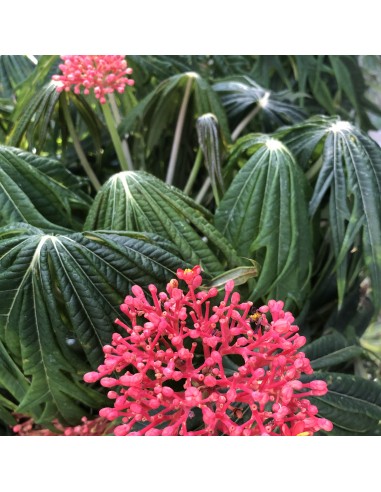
(171, 372)
(204, 189)
(103, 74)
(77, 145)
(194, 172)
(110, 122)
(118, 119)
(179, 130)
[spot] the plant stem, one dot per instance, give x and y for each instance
(203, 190)
(194, 172)
(115, 137)
(77, 145)
(261, 103)
(245, 122)
(178, 131)
(118, 119)
(314, 169)
(215, 192)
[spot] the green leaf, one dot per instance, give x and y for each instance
(141, 202)
(240, 275)
(14, 69)
(330, 350)
(352, 404)
(350, 176)
(28, 194)
(241, 94)
(264, 216)
(59, 297)
(154, 119)
(38, 107)
(210, 143)
(14, 382)
(11, 378)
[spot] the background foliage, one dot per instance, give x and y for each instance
(275, 182)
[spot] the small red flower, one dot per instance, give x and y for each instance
(186, 367)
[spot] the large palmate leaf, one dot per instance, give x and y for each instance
(40, 112)
(244, 98)
(38, 191)
(59, 296)
(337, 84)
(38, 106)
(264, 216)
(14, 69)
(162, 105)
(349, 167)
(352, 404)
(13, 386)
(135, 200)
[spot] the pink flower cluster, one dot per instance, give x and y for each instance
(102, 73)
(95, 427)
(187, 368)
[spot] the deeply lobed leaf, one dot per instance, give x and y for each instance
(264, 216)
(59, 296)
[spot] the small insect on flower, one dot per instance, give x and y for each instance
(237, 412)
(254, 317)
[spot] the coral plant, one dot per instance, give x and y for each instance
(186, 367)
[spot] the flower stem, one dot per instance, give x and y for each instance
(178, 131)
(194, 172)
(118, 119)
(115, 137)
(77, 145)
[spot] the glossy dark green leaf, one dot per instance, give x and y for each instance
(141, 202)
(28, 194)
(264, 216)
(350, 177)
(155, 121)
(162, 105)
(13, 381)
(330, 350)
(241, 94)
(352, 403)
(14, 69)
(38, 107)
(59, 297)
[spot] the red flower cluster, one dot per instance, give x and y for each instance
(102, 73)
(95, 427)
(187, 368)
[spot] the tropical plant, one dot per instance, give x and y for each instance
(259, 169)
